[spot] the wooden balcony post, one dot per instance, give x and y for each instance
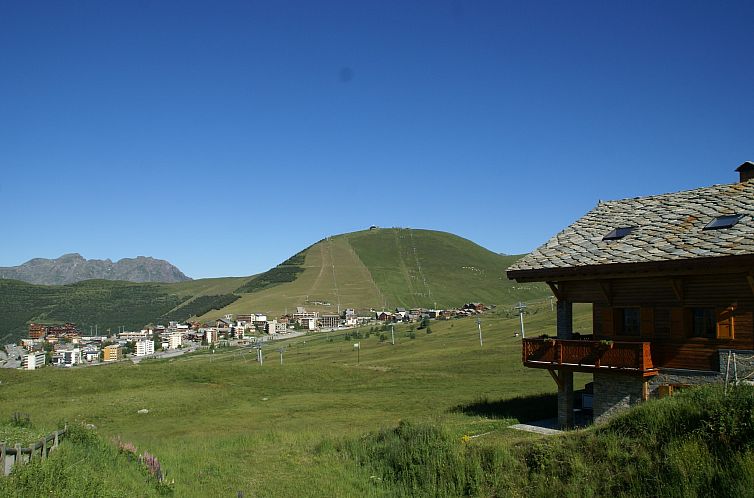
(565, 319)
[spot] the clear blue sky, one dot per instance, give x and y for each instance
(225, 136)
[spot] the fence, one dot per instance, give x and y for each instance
(13, 455)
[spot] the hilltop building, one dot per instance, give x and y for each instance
(671, 281)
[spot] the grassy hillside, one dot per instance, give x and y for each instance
(384, 268)
(371, 269)
(223, 423)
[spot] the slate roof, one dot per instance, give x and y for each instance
(668, 227)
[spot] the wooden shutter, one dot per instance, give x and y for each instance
(647, 326)
(608, 321)
(725, 324)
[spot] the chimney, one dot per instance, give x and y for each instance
(746, 170)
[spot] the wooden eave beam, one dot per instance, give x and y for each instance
(750, 279)
(556, 290)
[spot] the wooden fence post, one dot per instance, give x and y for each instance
(55, 443)
(19, 459)
(2, 457)
(44, 447)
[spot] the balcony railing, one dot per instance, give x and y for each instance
(588, 356)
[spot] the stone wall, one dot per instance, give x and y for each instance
(673, 377)
(614, 392)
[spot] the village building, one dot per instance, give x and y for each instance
(671, 281)
(112, 352)
(33, 360)
(175, 340)
(144, 347)
(137, 335)
(211, 335)
(90, 353)
(330, 321)
(67, 357)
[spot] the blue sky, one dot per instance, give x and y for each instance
(225, 136)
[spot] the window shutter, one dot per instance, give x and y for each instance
(725, 324)
(647, 322)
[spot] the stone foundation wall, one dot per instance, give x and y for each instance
(613, 393)
(682, 378)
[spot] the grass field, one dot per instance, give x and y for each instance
(222, 423)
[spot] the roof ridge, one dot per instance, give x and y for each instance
(665, 194)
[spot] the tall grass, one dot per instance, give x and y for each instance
(83, 465)
(699, 443)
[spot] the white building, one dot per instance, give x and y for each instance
(175, 340)
(211, 335)
(67, 357)
(144, 347)
(134, 336)
(33, 360)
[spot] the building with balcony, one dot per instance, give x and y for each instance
(671, 282)
(144, 347)
(33, 360)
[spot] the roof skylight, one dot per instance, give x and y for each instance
(618, 233)
(726, 221)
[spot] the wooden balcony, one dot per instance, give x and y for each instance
(589, 356)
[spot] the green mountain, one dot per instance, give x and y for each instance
(384, 268)
(371, 269)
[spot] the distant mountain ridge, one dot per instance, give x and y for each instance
(72, 268)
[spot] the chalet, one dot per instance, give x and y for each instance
(671, 281)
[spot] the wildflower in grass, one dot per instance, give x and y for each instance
(465, 438)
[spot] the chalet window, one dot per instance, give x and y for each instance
(628, 321)
(703, 322)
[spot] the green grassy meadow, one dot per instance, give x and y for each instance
(221, 423)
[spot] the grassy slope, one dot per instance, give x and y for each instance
(210, 425)
(389, 268)
(423, 267)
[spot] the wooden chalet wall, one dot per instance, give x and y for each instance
(665, 304)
